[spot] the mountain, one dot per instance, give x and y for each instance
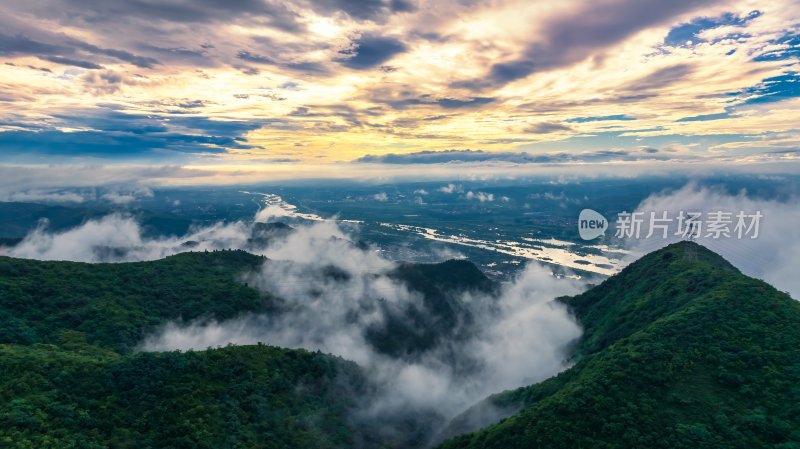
(76, 395)
(115, 304)
(679, 350)
(440, 315)
(70, 375)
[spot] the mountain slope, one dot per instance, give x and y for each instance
(69, 376)
(250, 396)
(680, 351)
(116, 304)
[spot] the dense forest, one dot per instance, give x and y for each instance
(70, 374)
(679, 350)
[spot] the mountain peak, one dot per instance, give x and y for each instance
(679, 350)
(691, 253)
(656, 285)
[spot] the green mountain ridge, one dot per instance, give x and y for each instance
(70, 375)
(679, 350)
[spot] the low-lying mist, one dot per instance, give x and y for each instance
(335, 294)
(517, 337)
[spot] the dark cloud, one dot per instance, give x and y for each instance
(276, 14)
(67, 51)
(547, 127)
(180, 53)
(254, 58)
(430, 100)
(370, 51)
(600, 118)
(301, 111)
(122, 55)
(247, 70)
(374, 10)
(584, 31)
(306, 67)
(104, 82)
(20, 44)
(109, 133)
(73, 62)
(455, 103)
(32, 67)
(661, 78)
(465, 156)
(295, 66)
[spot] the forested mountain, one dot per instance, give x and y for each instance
(70, 375)
(679, 350)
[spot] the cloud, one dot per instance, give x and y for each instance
(73, 62)
(110, 133)
(66, 50)
(483, 197)
(787, 46)
(707, 117)
(582, 31)
(546, 128)
(374, 10)
(519, 337)
(442, 102)
(773, 256)
(467, 156)
(382, 197)
(120, 195)
(369, 51)
(690, 33)
(250, 57)
(120, 238)
(180, 11)
(45, 196)
(602, 118)
(451, 188)
(662, 77)
(336, 295)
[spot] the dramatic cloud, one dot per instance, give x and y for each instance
(368, 51)
(577, 34)
(116, 134)
(315, 83)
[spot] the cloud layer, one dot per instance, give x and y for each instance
(317, 82)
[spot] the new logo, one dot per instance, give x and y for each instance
(591, 224)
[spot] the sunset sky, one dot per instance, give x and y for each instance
(325, 86)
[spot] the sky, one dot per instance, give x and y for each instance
(204, 89)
